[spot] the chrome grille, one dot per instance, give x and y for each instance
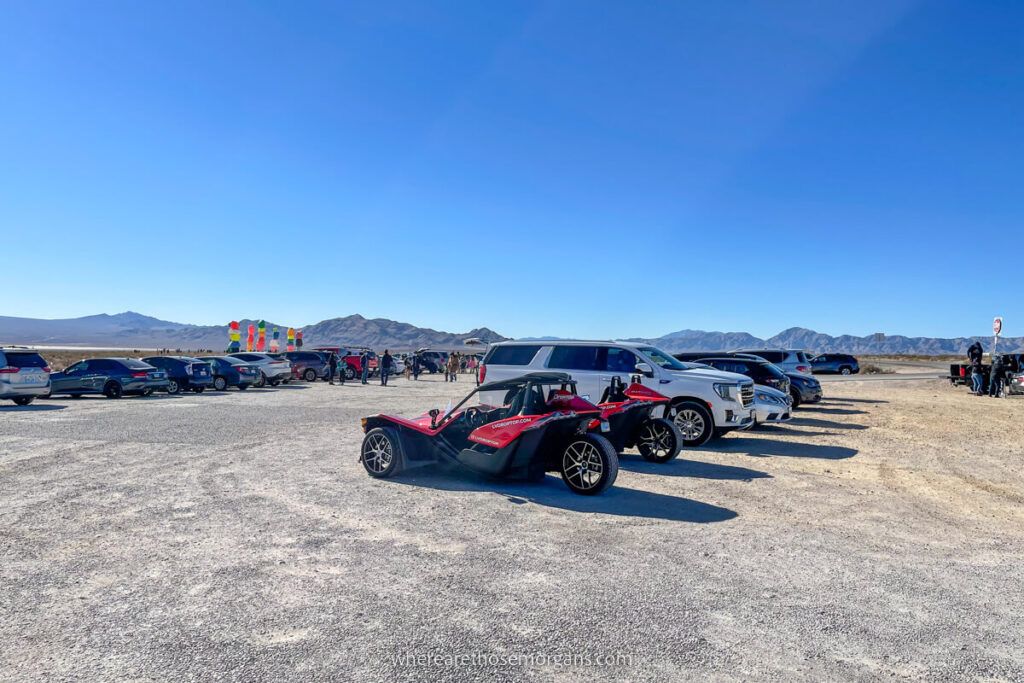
(747, 394)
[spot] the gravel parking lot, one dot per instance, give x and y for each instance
(235, 536)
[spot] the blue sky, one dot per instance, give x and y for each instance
(589, 169)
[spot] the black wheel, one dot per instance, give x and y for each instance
(659, 440)
(796, 397)
(220, 384)
(350, 372)
(261, 382)
(198, 390)
(147, 392)
(23, 400)
(173, 387)
(589, 464)
(694, 422)
(243, 387)
(845, 370)
(274, 382)
(309, 375)
(381, 453)
(112, 390)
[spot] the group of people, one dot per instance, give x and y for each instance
(996, 374)
(334, 363)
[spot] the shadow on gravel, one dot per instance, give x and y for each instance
(618, 501)
(823, 424)
(832, 399)
(813, 408)
(33, 408)
(691, 468)
(792, 449)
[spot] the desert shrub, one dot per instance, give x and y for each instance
(872, 369)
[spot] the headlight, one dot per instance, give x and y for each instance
(730, 392)
(768, 398)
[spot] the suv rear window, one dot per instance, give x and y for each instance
(24, 360)
(770, 356)
(575, 358)
(512, 355)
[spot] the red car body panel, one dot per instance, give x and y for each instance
(503, 432)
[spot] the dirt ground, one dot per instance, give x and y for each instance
(235, 537)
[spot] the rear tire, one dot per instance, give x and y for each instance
(381, 453)
(113, 390)
(220, 384)
(309, 375)
(589, 464)
(261, 382)
(795, 395)
(24, 400)
(173, 387)
(198, 390)
(350, 372)
(659, 440)
(694, 422)
(845, 370)
(274, 382)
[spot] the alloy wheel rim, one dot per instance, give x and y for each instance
(656, 437)
(172, 387)
(377, 453)
(690, 423)
(582, 465)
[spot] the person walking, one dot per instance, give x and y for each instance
(415, 365)
(977, 379)
(453, 365)
(995, 378)
(332, 367)
(386, 363)
(364, 360)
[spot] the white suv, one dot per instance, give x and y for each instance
(705, 402)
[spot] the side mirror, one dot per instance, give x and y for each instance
(645, 369)
(434, 412)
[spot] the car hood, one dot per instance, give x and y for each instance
(712, 375)
(771, 391)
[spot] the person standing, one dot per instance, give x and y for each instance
(453, 366)
(364, 361)
(332, 367)
(415, 365)
(386, 363)
(977, 379)
(995, 378)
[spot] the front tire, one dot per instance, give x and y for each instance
(659, 440)
(261, 382)
(589, 464)
(113, 390)
(694, 422)
(350, 373)
(220, 384)
(795, 395)
(381, 453)
(173, 387)
(309, 375)
(23, 400)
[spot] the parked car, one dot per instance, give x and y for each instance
(703, 403)
(273, 371)
(761, 371)
(835, 364)
(184, 373)
(803, 388)
(788, 360)
(24, 375)
(112, 377)
(229, 371)
(307, 365)
(432, 361)
(772, 406)
(397, 365)
(522, 437)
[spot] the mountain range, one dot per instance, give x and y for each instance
(134, 330)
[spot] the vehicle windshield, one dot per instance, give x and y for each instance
(663, 359)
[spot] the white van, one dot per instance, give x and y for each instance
(705, 402)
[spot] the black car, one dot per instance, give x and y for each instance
(834, 363)
(761, 371)
(803, 388)
(184, 373)
(112, 377)
(231, 372)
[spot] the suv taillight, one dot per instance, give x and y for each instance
(9, 370)
(46, 368)
(804, 369)
(483, 373)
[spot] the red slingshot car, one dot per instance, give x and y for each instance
(526, 437)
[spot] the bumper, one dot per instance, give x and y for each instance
(204, 382)
(770, 413)
(730, 416)
(15, 391)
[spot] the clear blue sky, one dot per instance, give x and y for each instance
(589, 169)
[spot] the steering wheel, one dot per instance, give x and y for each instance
(474, 417)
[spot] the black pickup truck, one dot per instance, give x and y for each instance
(1013, 365)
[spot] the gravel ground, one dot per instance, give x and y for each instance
(236, 537)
